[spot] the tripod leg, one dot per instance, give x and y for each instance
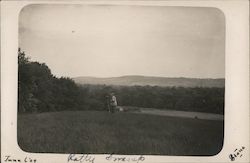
(109, 108)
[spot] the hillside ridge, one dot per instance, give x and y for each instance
(131, 80)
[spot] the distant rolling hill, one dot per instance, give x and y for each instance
(151, 81)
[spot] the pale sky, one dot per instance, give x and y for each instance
(109, 41)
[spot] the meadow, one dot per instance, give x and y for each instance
(100, 132)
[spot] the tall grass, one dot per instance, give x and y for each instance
(120, 133)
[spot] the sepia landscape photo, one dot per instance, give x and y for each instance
(120, 79)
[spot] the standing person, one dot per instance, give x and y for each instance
(113, 102)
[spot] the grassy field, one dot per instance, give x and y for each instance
(119, 133)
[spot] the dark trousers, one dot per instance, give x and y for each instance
(112, 108)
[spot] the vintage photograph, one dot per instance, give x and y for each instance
(121, 79)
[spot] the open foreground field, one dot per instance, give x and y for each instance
(120, 133)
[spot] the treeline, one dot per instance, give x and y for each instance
(40, 91)
(198, 99)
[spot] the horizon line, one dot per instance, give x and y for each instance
(146, 76)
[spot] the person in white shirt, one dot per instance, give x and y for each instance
(113, 102)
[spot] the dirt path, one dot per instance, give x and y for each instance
(184, 114)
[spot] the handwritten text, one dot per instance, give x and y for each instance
(113, 158)
(24, 160)
(236, 153)
(81, 158)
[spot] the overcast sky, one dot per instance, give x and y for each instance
(108, 41)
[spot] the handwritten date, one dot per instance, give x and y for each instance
(24, 160)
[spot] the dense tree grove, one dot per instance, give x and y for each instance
(198, 99)
(41, 91)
